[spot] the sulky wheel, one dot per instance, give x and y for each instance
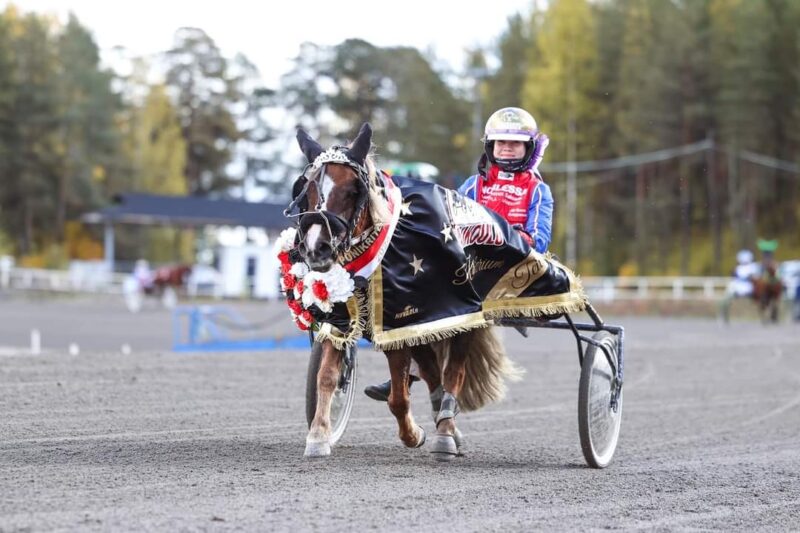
(343, 396)
(598, 423)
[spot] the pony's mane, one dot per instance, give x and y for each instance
(378, 204)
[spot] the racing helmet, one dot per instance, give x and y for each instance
(744, 257)
(510, 124)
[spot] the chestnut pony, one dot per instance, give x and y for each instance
(340, 197)
(767, 293)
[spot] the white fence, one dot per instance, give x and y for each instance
(599, 289)
(608, 289)
(61, 280)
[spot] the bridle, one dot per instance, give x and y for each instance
(336, 225)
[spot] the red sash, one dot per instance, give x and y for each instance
(367, 261)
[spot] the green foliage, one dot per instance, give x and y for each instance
(31, 143)
(516, 50)
(198, 72)
(6, 245)
(168, 245)
(560, 83)
(604, 79)
(158, 146)
(57, 132)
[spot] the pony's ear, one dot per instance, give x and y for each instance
(311, 148)
(360, 148)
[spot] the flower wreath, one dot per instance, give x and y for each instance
(305, 288)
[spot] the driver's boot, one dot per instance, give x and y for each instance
(381, 392)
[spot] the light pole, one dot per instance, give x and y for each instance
(572, 197)
(478, 73)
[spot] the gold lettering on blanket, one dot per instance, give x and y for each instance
(356, 250)
(407, 312)
(467, 271)
(519, 277)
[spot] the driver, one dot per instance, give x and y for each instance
(742, 283)
(509, 183)
(143, 274)
(741, 286)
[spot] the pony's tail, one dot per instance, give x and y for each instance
(486, 366)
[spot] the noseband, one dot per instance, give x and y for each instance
(308, 216)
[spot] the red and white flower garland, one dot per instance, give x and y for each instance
(304, 287)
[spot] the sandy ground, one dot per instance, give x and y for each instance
(153, 440)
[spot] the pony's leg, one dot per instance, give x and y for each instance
(429, 371)
(426, 359)
(412, 435)
(447, 442)
(317, 440)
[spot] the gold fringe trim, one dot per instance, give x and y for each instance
(534, 311)
(535, 306)
(358, 307)
(429, 332)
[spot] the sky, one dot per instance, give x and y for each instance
(270, 32)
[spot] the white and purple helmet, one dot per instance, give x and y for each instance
(511, 124)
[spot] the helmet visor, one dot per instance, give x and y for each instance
(508, 135)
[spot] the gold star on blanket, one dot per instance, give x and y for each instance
(447, 232)
(417, 265)
(405, 208)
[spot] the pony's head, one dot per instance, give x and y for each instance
(336, 197)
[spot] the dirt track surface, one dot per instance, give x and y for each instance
(159, 441)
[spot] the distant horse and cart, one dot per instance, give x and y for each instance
(163, 285)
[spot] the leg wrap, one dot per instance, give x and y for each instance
(436, 401)
(448, 408)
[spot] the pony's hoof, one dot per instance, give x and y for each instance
(421, 437)
(317, 449)
(443, 447)
(459, 438)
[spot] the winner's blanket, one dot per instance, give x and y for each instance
(451, 265)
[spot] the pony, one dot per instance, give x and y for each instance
(342, 201)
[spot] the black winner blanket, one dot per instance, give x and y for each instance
(450, 265)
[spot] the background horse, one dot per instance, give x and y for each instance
(342, 198)
(163, 284)
(174, 276)
(767, 293)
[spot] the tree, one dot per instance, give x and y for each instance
(252, 157)
(414, 114)
(31, 144)
(425, 121)
(158, 146)
(558, 91)
(87, 133)
(516, 50)
(198, 73)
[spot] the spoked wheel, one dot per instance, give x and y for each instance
(598, 423)
(343, 396)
